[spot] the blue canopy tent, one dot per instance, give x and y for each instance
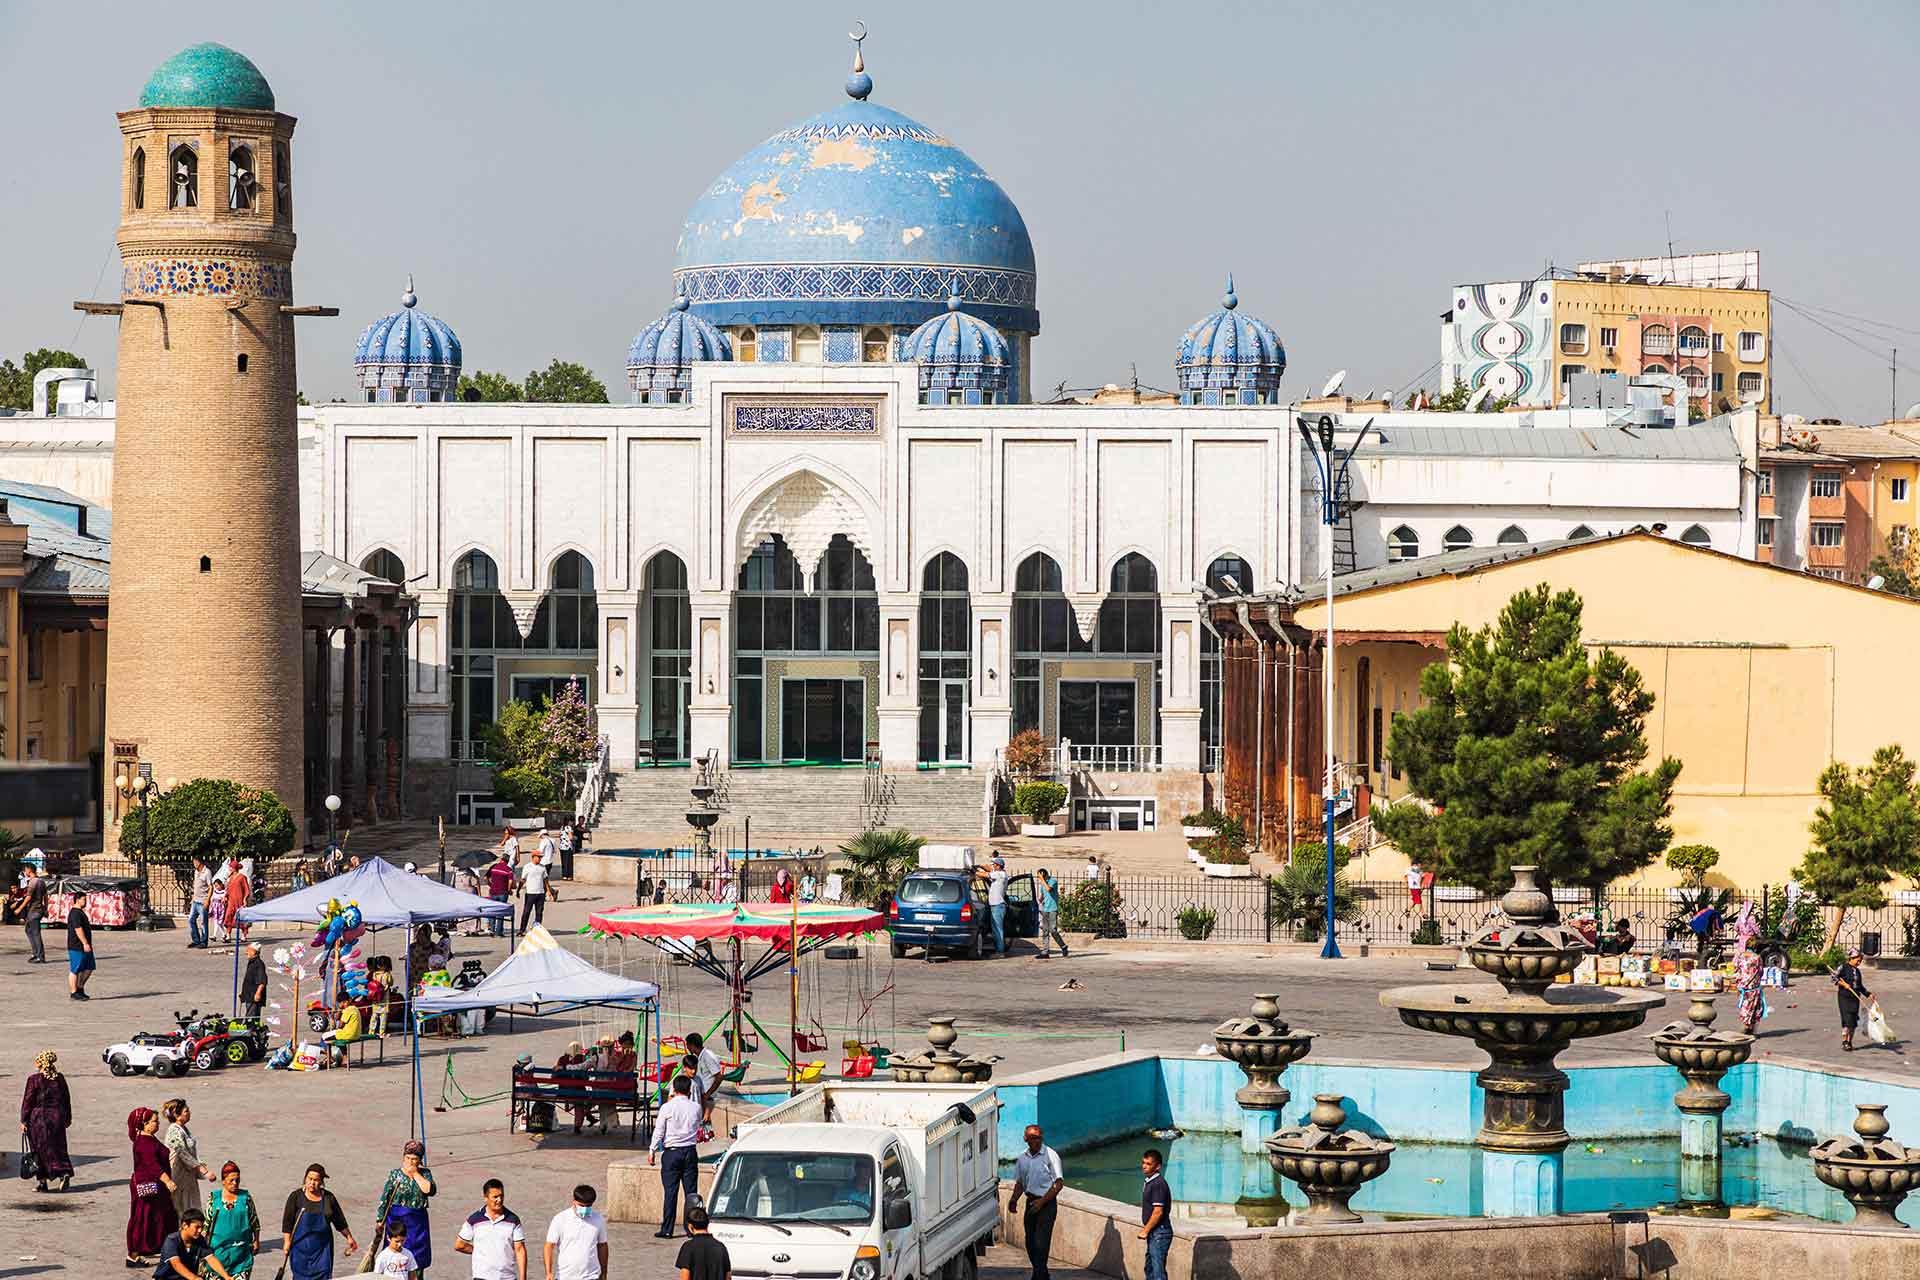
(387, 897)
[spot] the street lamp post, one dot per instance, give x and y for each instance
(1332, 464)
(333, 806)
(137, 783)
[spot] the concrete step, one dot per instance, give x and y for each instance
(800, 801)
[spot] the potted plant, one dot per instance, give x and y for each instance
(1228, 861)
(1198, 826)
(1196, 923)
(1038, 802)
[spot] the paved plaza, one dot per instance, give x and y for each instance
(354, 1121)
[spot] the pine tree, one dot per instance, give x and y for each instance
(1866, 833)
(1529, 751)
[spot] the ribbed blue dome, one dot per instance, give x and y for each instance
(658, 362)
(856, 216)
(408, 355)
(1230, 351)
(208, 75)
(957, 351)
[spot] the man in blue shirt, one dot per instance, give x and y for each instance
(1156, 1213)
(1047, 895)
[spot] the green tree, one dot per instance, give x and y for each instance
(495, 387)
(211, 818)
(1529, 752)
(1454, 400)
(1298, 895)
(1693, 861)
(564, 382)
(16, 382)
(876, 863)
(1866, 832)
(1899, 566)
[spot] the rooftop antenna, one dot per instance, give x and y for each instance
(1333, 384)
(1133, 369)
(1478, 398)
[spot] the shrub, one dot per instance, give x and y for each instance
(1093, 907)
(1028, 754)
(1799, 928)
(1693, 861)
(1224, 853)
(1196, 923)
(1039, 800)
(877, 861)
(1428, 934)
(1207, 817)
(525, 790)
(211, 818)
(1297, 895)
(1808, 959)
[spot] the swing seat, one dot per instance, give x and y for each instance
(804, 1043)
(860, 1068)
(657, 1073)
(805, 1072)
(748, 1043)
(735, 1073)
(672, 1045)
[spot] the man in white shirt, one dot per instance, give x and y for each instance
(1038, 1177)
(533, 886)
(997, 904)
(577, 1240)
(495, 1238)
(706, 1075)
(676, 1140)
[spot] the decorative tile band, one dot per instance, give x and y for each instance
(207, 278)
(861, 130)
(855, 281)
(754, 417)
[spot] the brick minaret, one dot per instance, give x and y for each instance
(204, 671)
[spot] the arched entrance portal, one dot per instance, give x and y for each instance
(806, 655)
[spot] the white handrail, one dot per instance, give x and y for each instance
(586, 805)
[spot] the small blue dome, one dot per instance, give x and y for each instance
(408, 355)
(1230, 352)
(658, 362)
(959, 352)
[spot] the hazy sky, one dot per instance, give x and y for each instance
(1349, 163)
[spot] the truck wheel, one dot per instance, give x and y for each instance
(897, 947)
(118, 1064)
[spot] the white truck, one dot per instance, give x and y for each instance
(862, 1182)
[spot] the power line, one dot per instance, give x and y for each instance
(1876, 352)
(1834, 311)
(1825, 401)
(112, 251)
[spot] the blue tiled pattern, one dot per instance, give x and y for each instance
(206, 278)
(208, 75)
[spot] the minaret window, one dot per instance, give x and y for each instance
(806, 345)
(139, 177)
(746, 347)
(184, 189)
(243, 187)
(873, 346)
(282, 183)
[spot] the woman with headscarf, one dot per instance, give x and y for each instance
(1852, 989)
(183, 1155)
(46, 1112)
(782, 891)
(233, 1224)
(307, 1224)
(239, 894)
(403, 1203)
(1747, 969)
(151, 1217)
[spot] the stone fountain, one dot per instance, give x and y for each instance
(940, 1064)
(1522, 1028)
(1703, 1056)
(1263, 1047)
(1331, 1164)
(1871, 1170)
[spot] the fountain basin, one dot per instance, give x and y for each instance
(1555, 1017)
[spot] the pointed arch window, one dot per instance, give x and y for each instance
(746, 346)
(243, 184)
(1512, 535)
(1130, 615)
(945, 660)
(1458, 538)
(386, 565)
(1695, 536)
(139, 183)
(1402, 544)
(670, 654)
(183, 179)
(873, 346)
(1228, 575)
(1579, 531)
(480, 623)
(806, 345)
(568, 619)
(282, 183)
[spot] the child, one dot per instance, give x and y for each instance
(395, 1261)
(377, 1001)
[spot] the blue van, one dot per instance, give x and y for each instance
(935, 909)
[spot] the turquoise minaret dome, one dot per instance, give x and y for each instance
(208, 75)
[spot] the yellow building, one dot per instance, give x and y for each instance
(1762, 676)
(1718, 339)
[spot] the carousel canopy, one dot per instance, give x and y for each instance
(540, 971)
(766, 921)
(386, 896)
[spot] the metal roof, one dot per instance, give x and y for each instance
(1465, 560)
(66, 575)
(1704, 442)
(1844, 444)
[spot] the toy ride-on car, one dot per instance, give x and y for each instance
(160, 1053)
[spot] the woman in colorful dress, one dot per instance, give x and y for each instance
(46, 1112)
(151, 1217)
(403, 1202)
(1746, 982)
(183, 1152)
(239, 894)
(233, 1224)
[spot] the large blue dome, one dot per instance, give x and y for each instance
(859, 215)
(1230, 358)
(408, 355)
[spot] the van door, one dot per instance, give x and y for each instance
(1023, 908)
(896, 1217)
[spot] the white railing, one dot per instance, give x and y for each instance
(1127, 758)
(586, 805)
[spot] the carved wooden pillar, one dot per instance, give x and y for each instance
(349, 683)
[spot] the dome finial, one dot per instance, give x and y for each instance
(953, 294)
(859, 84)
(679, 302)
(409, 298)
(1231, 300)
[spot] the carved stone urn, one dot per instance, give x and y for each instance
(1262, 1046)
(1329, 1163)
(1871, 1170)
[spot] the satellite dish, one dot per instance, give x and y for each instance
(1876, 582)
(1333, 384)
(1373, 393)
(1913, 411)
(1478, 398)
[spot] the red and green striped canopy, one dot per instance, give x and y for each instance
(768, 921)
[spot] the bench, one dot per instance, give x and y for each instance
(576, 1086)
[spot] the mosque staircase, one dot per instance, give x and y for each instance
(818, 803)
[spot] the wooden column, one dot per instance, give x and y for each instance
(349, 683)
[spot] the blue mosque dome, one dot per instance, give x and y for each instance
(659, 363)
(963, 359)
(408, 355)
(856, 216)
(208, 75)
(1230, 358)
